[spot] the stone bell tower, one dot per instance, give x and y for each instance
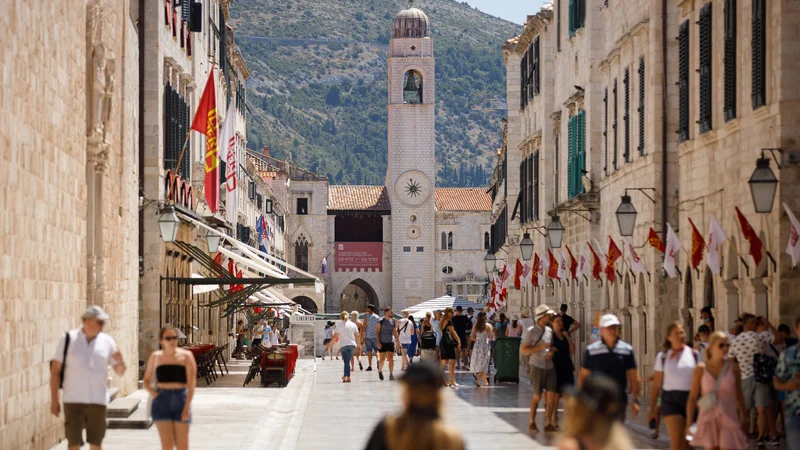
(411, 172)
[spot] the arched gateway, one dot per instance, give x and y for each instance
(357, 295)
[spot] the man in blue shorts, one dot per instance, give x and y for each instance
(369, 325)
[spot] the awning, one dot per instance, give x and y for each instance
(203, 288)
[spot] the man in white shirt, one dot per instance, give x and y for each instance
(258, 333)
(404, 330)
(84, 360)
(274, 335)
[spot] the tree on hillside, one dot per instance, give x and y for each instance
(334, 96)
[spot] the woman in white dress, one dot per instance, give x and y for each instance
(479, 363)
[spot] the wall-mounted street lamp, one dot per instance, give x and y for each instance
(555, 232)
(526, 246)
(626, 212)
(490, 261)
(763, 183)
(213, 239)
(168, 224)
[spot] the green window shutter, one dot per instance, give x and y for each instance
(558, 25)
(705, 69)
(581, 153)
(572, 18)
(759, 49)
(683, 81)
(605, 129)
(614, 124)
(536, 67)
(571, 157)
(641, 105)
(556, 159)
(729, 103)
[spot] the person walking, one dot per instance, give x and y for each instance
(412, 348)
(536, 346)
(470, 323)
(460, 322)
(239, 353)
(717, 383)
(327, 340)
(563, 349)
(764, 366)
(258, 333)
(357, 354)
(614, 358)
(387, 336)
(420, 424)
(674, 369)
(701, 339)
(80, 368)
(427, 339)
(370, 339)
(447, 348)
(276, 334)
(479, 362)
(267, 336)
(170, 379)
(405, 328)
(593, 423)
(570, 324)
(501, 326)
(437, 328)
(515, 328)
(347, 334)
(787, 381)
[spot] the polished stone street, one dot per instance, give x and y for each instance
(318, 411)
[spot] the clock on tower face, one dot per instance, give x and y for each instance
(413, 188)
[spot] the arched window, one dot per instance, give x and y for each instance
(444, 240)
(450, 240)
(412, 87)
(709, 291)
(487, 241)
(301, 253)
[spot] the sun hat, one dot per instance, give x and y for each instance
(543, 310)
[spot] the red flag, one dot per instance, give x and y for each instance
(205, 122)
(597, 268)
(698, 244)
(535, 271)
(518, 275)
(613, 254)
(552, 271)
(751, 236)
(655, 241)
(573, 264)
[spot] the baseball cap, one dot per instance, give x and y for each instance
(542, 310)
(423, 373)
(95, 312)
(609, 320)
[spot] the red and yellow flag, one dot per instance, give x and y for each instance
(205, 122)
(698, 244)
(535, 271)
(573, 263)
(552, 271)
(597, 268)
(655, 241)
(751, 236)
(613, 255)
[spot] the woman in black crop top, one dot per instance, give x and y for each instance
(170, 378)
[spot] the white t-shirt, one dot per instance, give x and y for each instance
(404, 330)
(258, 332)
(347, 333)
(746, 345)
(275, 334)
(526, 323)
(677, 372)
(86, 373)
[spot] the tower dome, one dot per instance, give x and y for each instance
(411, 23)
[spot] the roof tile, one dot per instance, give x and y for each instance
(463, 199)
(358, 198)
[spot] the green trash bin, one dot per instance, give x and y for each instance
(506, 359)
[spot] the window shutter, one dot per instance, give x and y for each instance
(683, 81)
(536, 85)
(605, 128)
(759, 40)
(570, 156)
(523, 76)
(581, 13)
(556, 159)
(531, 69)
(166, 130)
(531, 188)
(572, 18)
(536, 185)
(626, 81)
(614, 125)
(641, 105)
(523, 172)
(581, 154)
(558, 25)
(730, 60)
(705, 68)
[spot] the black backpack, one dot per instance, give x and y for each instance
(427, 340)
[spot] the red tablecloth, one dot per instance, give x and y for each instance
(290, 353)
(199, 349)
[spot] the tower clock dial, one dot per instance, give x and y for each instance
(413, 188)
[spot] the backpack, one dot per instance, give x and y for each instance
(468, 327)
(427, 340)
(764, 366)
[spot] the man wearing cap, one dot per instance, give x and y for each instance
(536, 345)
(84, 354)
(614, 358)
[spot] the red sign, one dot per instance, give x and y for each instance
(367, 256)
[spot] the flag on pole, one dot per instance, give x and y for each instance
(751, 236)
(583, 260)
(637, 263)
(716, 236)
(613, 255)
(655, 241)
(597, 267)
(562, 266)
(227, 153)
(793, 246)
(536, 271)
(698, 244)
(544, 266)
(505, 278)
(325, 265)
(599, 248)
(573, 264)
(526, 274)
(518, 275)
(205, 122)
(552, 265)
(260, 229)
(672, 247)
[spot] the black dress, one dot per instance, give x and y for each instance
(562, 360)
(448, 350)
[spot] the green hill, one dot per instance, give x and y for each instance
(318, 85)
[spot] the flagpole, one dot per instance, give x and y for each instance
(183, 150)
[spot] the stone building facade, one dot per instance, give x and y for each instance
(69, 176)
(595, 100)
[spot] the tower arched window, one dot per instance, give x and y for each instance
(487, 240)
(412, 87)
(450, 240)
(301, 253)
(444, 241)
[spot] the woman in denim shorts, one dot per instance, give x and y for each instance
(170, 378)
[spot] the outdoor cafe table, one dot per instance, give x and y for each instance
(291, 354)
(199, 349)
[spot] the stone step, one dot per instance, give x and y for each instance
(113, 392)
(138, 420)
(122, 407)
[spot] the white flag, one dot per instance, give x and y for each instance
(562, 266)
(525, 279)
(543, 267)
(582, 261)
(672, 247)
(793, 247)
(636, 262)
(716, 236)
(599, 249)
(227, 153)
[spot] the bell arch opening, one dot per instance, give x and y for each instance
(412, 87)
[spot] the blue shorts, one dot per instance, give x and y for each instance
(405, 346)
(168, 406)
(371, 344)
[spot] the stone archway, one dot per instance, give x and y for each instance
(357, 295)
(307, 304)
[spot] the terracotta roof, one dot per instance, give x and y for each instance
(358, 198)
(463, 199)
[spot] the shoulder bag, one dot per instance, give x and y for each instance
(708, 401)
(764, 366)
(63, 360)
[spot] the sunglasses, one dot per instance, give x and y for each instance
(170, 338)
(724, 345)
